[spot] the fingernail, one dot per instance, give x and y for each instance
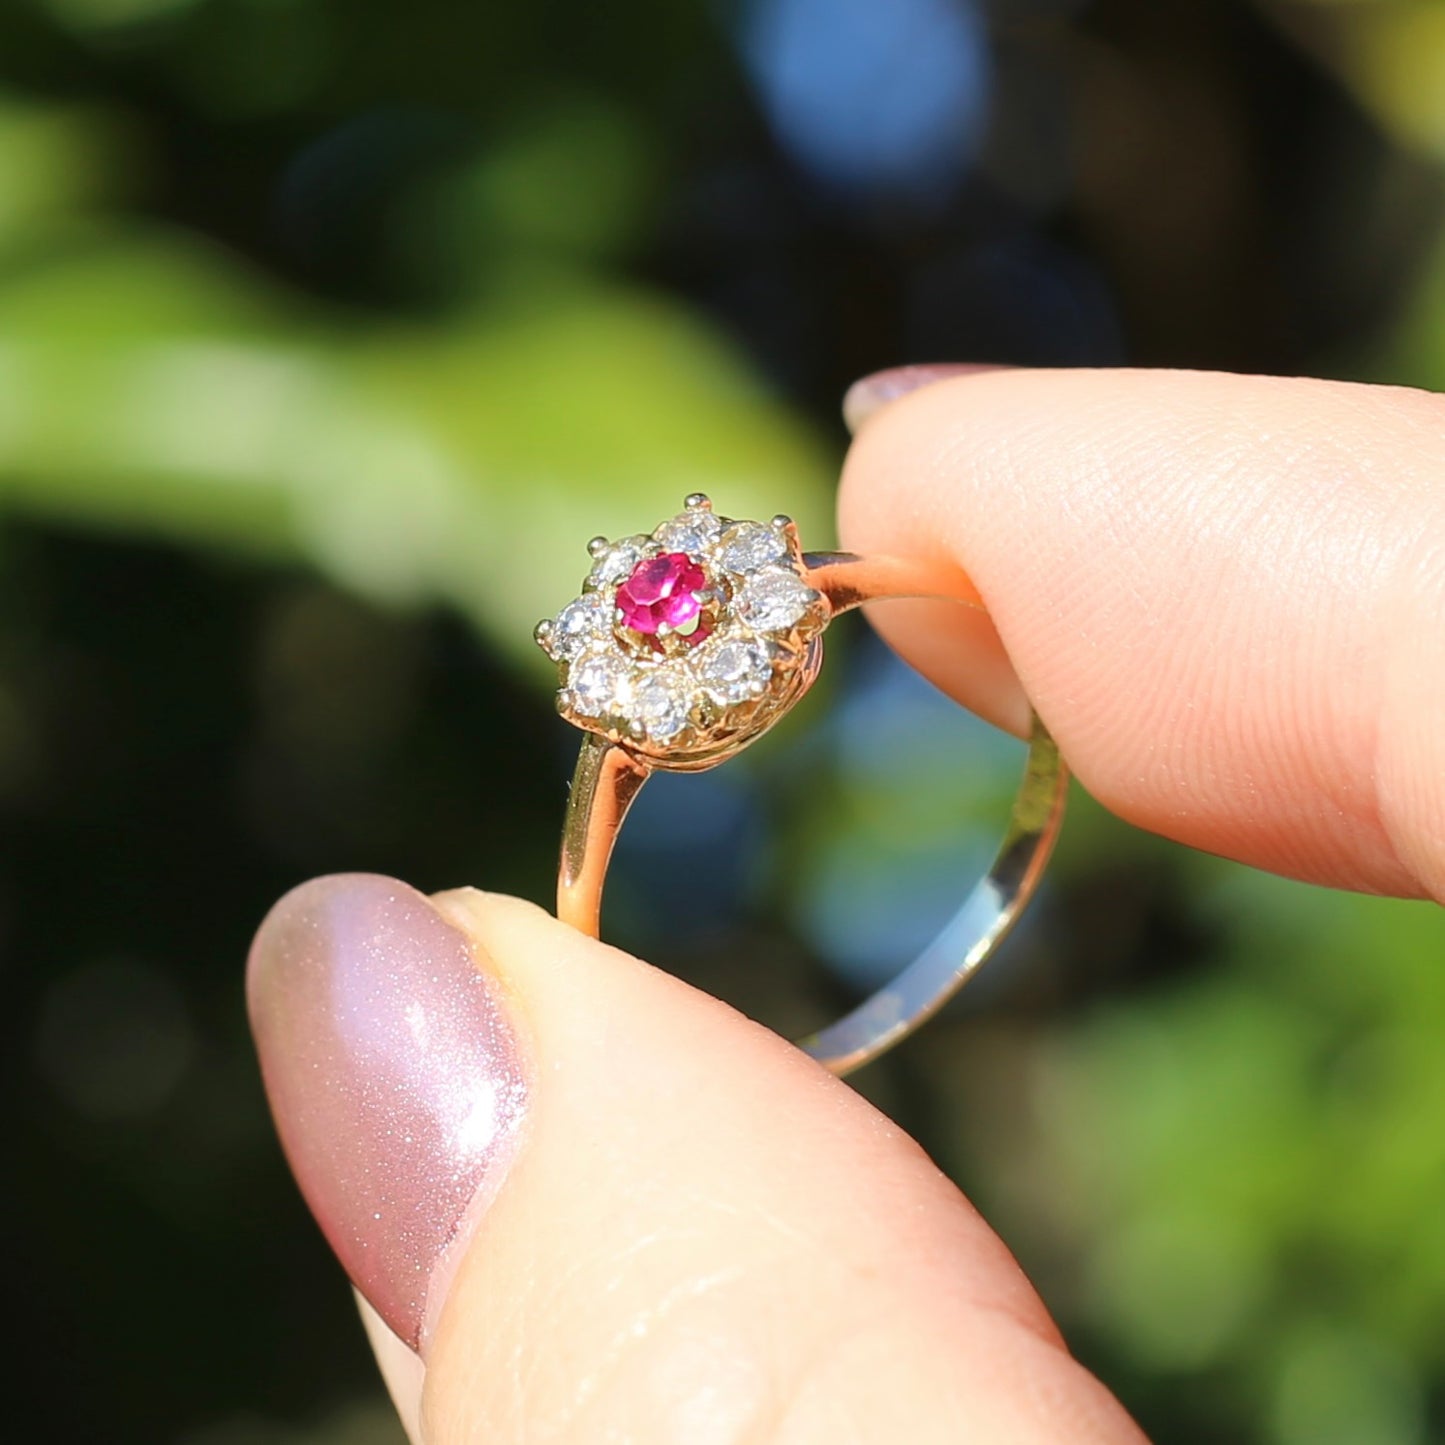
(874, 392)
(394, 1079)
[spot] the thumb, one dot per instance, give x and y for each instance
(600, 1205)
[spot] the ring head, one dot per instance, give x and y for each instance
(688, 642)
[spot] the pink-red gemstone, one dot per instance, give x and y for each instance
(662, 591)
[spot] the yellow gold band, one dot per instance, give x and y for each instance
(609, 776)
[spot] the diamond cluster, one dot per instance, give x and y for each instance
(694, 637)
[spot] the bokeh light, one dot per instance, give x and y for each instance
(873, 98)
(328, 335)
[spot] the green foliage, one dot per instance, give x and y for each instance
(152, 382)
(1417, 355)
(1227, 1170)
(1249, 1163)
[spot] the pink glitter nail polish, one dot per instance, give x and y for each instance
(393, 1076)
(872, 393)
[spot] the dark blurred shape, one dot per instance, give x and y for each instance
(697, 842)
(333, 200)
(1023, 299)
(311, 309)
(113, 1040)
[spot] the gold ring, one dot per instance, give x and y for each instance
(688, 643)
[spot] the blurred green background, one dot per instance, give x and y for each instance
(330, 329)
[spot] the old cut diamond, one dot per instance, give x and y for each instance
(660, 705)
(586, 620)
(690, 532)
(599, 685)
(751, 545)
(736, 669)
(618, 560)
(773, 600)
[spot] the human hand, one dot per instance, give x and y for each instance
(1225, 596)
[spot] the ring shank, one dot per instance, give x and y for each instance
(604, 784)
(970, 938)
(608, 778)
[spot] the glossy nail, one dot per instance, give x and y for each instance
(394, 1079)
(875, 392)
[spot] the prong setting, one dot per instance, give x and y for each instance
(688, 643)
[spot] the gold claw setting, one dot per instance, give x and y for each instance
(687, 643)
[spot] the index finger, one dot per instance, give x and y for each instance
(1225, 596)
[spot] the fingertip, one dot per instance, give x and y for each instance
(1206, 584)
(402, 1370)
(702, 1229)
(395, 1078)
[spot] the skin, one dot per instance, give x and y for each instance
(1226, 597)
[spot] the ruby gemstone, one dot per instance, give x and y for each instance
(663, 591)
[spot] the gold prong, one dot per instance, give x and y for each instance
(543, 634)
(697, 502)
(597, 546)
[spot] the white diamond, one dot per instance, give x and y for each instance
(599, 685)
(690, 532)
(618, 561)
(736, 669)
(750, 545)
(587, 620)
(660, 704)
(773, 600)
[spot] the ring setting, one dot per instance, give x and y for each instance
(688, 643)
